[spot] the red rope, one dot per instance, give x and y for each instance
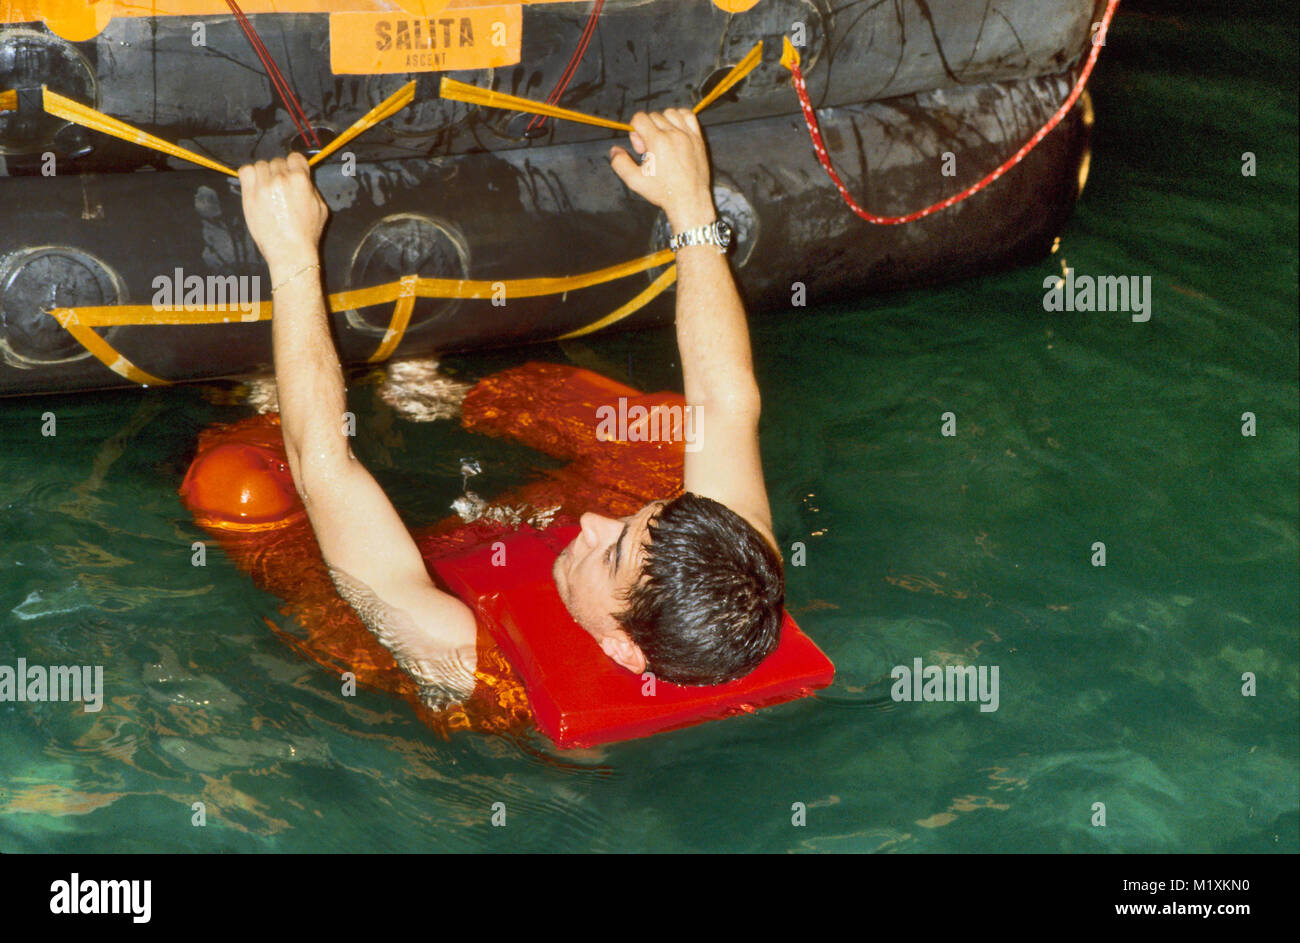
(580, 51)
(278, 81)
(814, 131)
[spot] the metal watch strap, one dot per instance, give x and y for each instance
(699, 236)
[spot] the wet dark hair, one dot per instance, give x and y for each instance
(707, 607)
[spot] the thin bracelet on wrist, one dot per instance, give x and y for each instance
(285, 281)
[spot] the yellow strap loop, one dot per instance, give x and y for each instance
(401, 318)
(77, 113)
(534, 287)
(80, 322)
(474, 95)
(789, 55)
(461, 92)
(385, 109)
(8, 100)
(87, 117)
(636, 304)
(109, 356)
(742, 69)
(148, 315)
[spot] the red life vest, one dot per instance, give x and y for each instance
(579, 697)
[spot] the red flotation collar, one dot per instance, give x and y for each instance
(580, 697)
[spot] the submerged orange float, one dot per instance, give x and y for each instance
(242, 485)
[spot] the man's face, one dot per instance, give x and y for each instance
(595, 571)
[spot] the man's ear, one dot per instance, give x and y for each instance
(624, 652)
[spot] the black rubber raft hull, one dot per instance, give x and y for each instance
(550, 206)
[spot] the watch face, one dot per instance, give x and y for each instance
(724, 233)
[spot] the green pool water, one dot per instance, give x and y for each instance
(1120, 685)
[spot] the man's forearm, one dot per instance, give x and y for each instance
(308, 377)
(712, 333)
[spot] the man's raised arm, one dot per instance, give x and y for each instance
(372, 558)
(712, 335)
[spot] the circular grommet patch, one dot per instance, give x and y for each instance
(407, 244)
(34, 281)
(28, 60)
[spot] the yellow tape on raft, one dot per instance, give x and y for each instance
(87, 117)
(78, 113)
(742, 69)
(8, 100)
(655, 289)
(385, 109)
(148, 315)
(400, 319)
(80, 322)
(474, 95)
(461, 92)
(109, 356)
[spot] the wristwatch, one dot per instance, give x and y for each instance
(716, 233)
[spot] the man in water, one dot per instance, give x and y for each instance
(689, 588)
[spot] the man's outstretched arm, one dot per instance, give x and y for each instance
(712, 334)
(375, 563)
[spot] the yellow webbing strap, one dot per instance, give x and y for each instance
(461, 92)
(78, 113)
(88, 117)
(533, 287)
(148, 315)
(789, 55)
(474, 95)
(401, 318)
(385, 109)
(110, 357)
(80, 322)
(742, 69)
(636, 304)
(8, 100)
